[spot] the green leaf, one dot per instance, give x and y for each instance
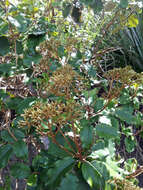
(12, 103)
(32, 180)
(32, 42)
(3, 27)
(114, 122)
(24, 104)
(82, 185)
(124, 3)
(29, 59)
(18, 134)
(111, 147)
(100, 144)
(20, 148)
(113, 168)
(88, 2)
(5, 153)
(109, 187)
(6, 136)
(20, 171)
(61, 167)
(92, 176)
(99, 104)
(124, 98)
(100, 154)
(86, 135)
(96, 5)
(125, 114)
(54, 150)
(20, 22)
(69, 179)
(130, 144)
(92, 94)
(4, 46)
(101, 168)
(106, 131)
(132, 21)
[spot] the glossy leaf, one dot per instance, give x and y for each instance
(101, 168)
(132, 21)
(61, 167)
(32, 180)
(100, 154)
(92, 176)
(69, 179)
(20, 22)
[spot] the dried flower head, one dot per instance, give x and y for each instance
(119, 78)
(46, 116)
(126, 76)
(124, 185)
(49, 51)
(65, 82)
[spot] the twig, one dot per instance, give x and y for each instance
(7, 118)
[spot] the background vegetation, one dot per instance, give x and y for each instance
(71, 85)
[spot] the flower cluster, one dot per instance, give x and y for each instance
(65, 82)
(124, 185)
(126, 76)
(46, 117)
(119, 78)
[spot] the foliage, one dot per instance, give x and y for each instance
(53, 100)
(132, 45)
(128, 38)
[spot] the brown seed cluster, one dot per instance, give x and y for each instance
(124, 185)
(46, 117)
(49, 51)
(65, 82)
(119, 78)
(126, 76)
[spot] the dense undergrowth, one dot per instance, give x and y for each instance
(70, 109)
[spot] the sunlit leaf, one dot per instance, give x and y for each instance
(132, 21)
